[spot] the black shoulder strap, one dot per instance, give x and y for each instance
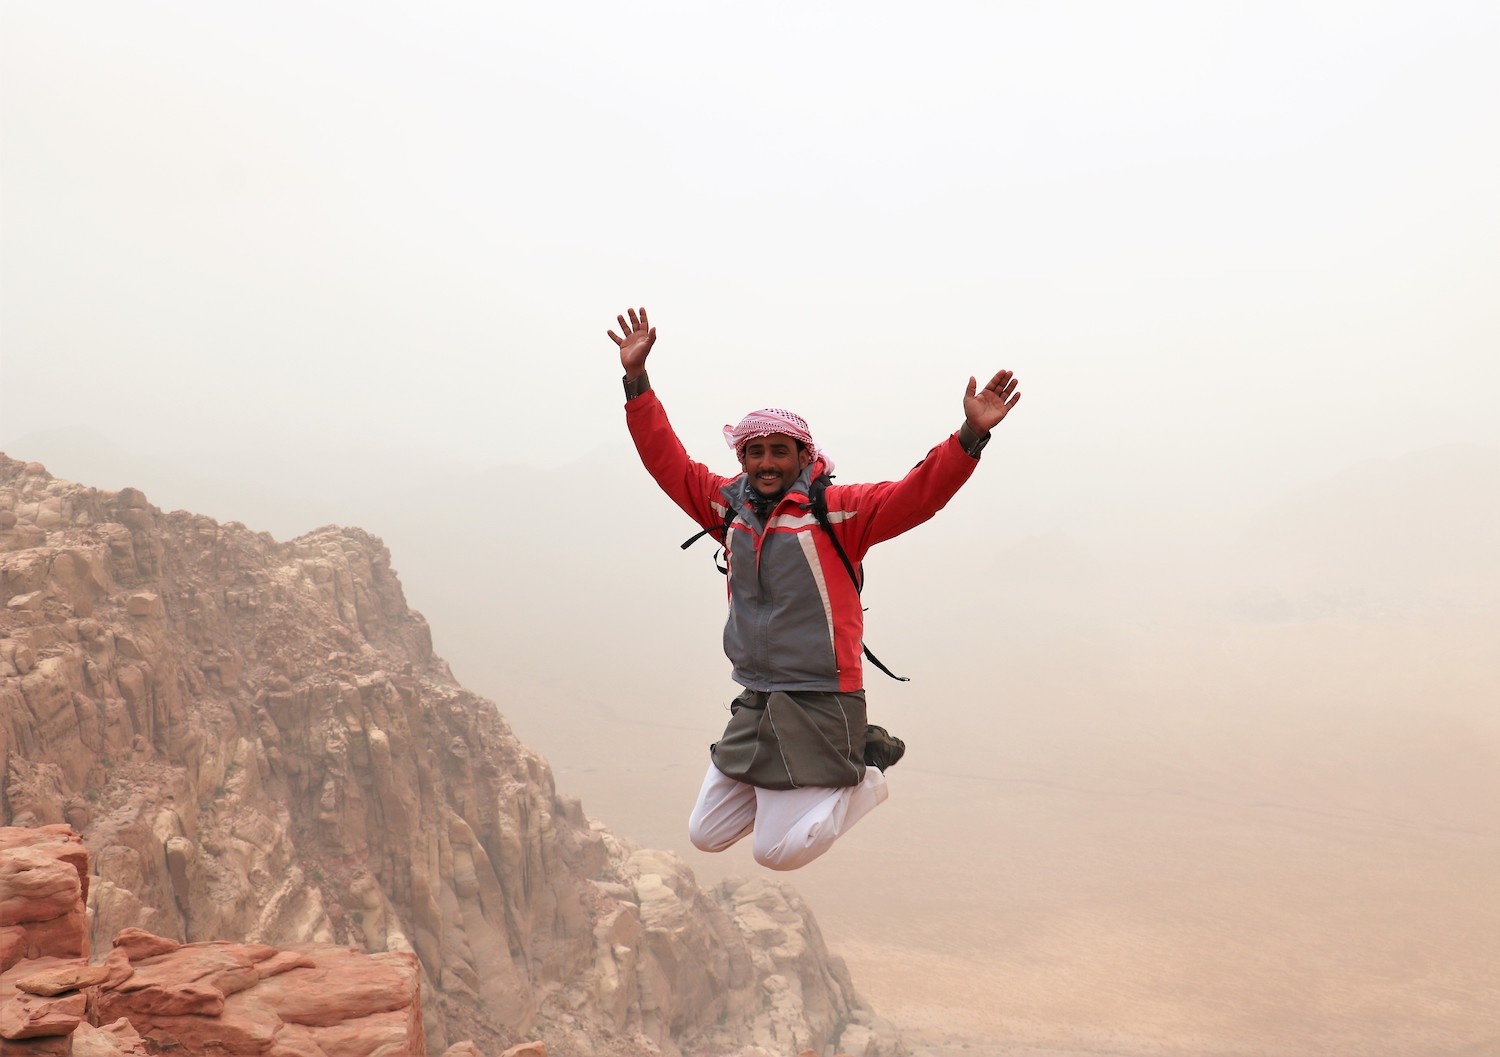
(722, 530)
(819, 507)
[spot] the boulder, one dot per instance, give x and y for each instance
(114, 1040)
(31, 1016)
(43, 882)
(72, 976)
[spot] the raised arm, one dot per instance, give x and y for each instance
(691, 485)
(890, 508)
(984, 409)
(635, 340)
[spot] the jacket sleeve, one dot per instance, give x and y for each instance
(689, 484)
(877, 512)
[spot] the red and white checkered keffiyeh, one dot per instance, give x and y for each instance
(769, 420)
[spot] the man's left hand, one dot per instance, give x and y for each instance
(986, 408)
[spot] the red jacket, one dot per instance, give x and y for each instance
(795, 619)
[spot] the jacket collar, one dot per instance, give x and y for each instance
(741, 496)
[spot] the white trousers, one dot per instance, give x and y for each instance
(792, 826)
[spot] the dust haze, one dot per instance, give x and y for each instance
(1203, 757)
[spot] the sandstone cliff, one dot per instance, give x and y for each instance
(257, 743)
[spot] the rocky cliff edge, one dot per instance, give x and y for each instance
(258, 744)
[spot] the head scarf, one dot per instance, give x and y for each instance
(769, 420)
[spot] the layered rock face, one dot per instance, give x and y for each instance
(257, 743)
(155, 995)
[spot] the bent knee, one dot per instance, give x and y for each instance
(784, 865)
(782, 858)
(707, 840)
(707, 845)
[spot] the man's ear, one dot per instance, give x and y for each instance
(803, 456)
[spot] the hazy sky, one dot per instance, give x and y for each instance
(1226, 248)
(300, 263)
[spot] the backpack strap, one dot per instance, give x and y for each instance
(877, 663)
(819, 507)
(723, 531)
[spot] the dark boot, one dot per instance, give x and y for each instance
(882, 749)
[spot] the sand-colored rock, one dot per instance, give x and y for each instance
(119, 1039)
(140, 945)
(463, 1049)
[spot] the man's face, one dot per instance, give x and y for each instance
(773, 463)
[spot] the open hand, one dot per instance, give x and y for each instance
(636, 343)
(985, 408)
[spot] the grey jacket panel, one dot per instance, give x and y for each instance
(778, 635)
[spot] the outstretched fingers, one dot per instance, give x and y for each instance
(634, 340)
(985, 408)
(637, 322)
(1002, 380)
(1003, 385)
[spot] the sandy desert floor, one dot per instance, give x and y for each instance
(1154, 925)
(1317, 875)
(1257, 931)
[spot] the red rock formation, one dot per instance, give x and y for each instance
(217, 998)
(154, 994)
(44, 883)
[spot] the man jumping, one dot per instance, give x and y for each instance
(797, 764)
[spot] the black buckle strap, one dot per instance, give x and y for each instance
(723, 567)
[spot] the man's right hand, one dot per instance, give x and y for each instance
(635, 345)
